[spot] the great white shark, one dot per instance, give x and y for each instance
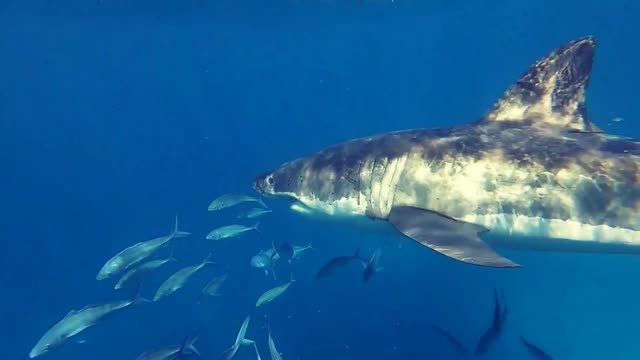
(533, 173)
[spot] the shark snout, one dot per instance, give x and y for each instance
(263, 183)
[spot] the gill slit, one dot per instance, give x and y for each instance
(390, 194)
(359, 189)
(373, 169)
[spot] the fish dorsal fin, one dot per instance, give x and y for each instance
(551, 93)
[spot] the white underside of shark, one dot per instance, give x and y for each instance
(507, 230)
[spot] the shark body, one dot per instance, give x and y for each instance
(533, 173)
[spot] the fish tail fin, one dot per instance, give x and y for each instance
(171, 256)
(137, 297)
(272, 269)
(247, 342)
(242, 331)
(229, 353)
(255, 347)
(207, 260)
(255, 227)
(188, 346)
(182, 234)
(292, 279)
(174, 232)
(375, 258)
(262, 203)
(275, 251)
(273, 255)
(310, 247)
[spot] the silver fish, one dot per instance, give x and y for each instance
(230, 352)
(299, 250)
(177, 280)
(275, 355)
(172, 351)
(212, 287)
(265, 260)
(145, 267)
(230, 231)
(77, 321)
(253, 213)
(136, 253)
(341, 261)
(229, 200)
(273, 293)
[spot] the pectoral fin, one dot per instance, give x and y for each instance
(456, 239)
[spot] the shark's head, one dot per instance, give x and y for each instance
(264, 184)
(284, 181)
(301, 183)
(325, 185)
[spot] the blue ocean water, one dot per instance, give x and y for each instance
(115, 116)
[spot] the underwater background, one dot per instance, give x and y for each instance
(117, 115)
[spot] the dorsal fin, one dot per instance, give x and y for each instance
(552, 92)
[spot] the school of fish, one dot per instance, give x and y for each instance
(137, 261)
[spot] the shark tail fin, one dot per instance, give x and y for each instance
(552, 92)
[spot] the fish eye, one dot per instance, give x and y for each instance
(270, 181)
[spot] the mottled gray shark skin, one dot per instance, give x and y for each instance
(532, 173)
